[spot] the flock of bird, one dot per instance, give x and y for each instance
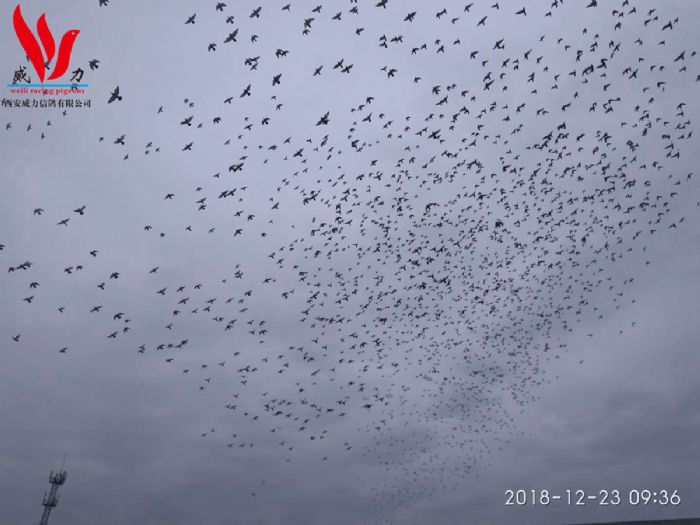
(407, 256)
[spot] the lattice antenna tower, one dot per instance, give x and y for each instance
(51, 499)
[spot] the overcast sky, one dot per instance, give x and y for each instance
(605, 396)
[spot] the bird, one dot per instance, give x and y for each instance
(324, 119)
(114, 96)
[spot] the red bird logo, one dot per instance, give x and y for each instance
(34, 51)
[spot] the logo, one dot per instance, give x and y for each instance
(41, 52)
(49, 63)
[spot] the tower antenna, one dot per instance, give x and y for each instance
(51, 499)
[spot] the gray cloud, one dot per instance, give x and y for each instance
(444, 438)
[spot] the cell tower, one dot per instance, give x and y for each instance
(51, 499)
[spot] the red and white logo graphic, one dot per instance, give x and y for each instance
(41, 59)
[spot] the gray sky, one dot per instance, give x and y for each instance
(467, 358)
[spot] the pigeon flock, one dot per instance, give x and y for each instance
(383, 222)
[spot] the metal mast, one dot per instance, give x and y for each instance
(51, 499)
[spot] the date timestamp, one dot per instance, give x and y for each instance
(579, 497)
